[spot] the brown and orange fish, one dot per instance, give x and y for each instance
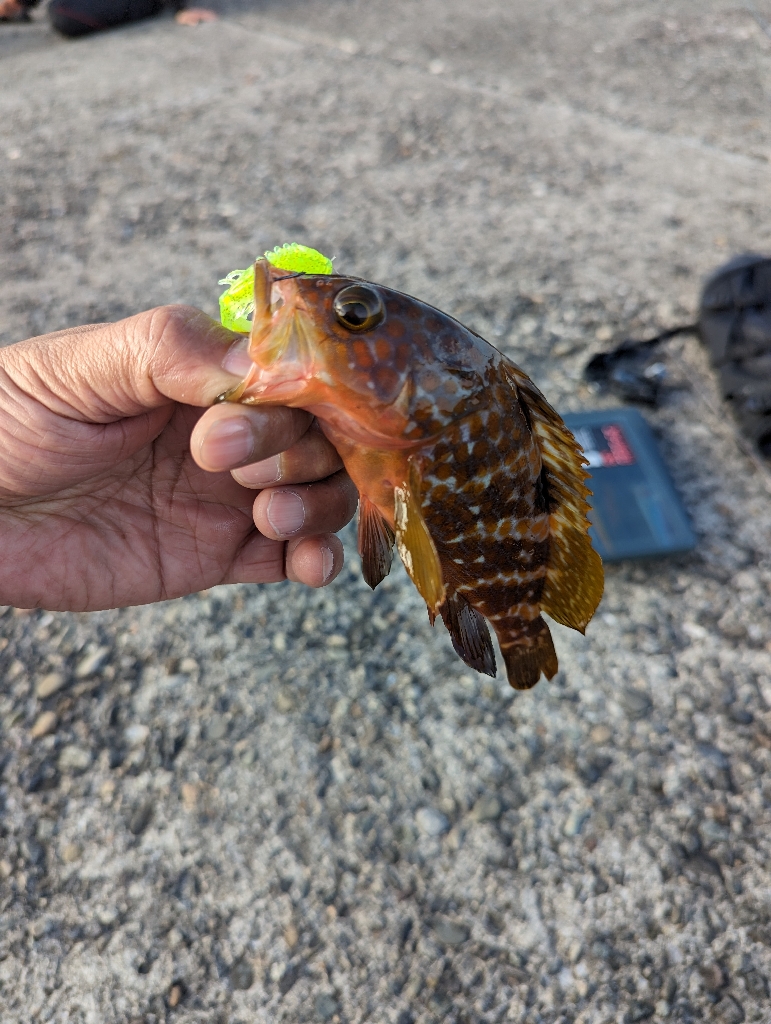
(458, 458)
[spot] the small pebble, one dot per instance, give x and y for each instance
(575, 821)
(487, 808)
(92, 663)
(175, 995)
(106, 790)
(141, 818)
(15, 669)
(44, 724)
(326, 1007)
(70, 853)
(431, 822)
(729, 1011)
(217, 728)
(714, 978)
(49, 684)
(600, 734)
(74, 759)
(283, 702)
(450, 932)
(188, 666)
(636, 704)
(242, 975)
(189, 795)
(135, 735)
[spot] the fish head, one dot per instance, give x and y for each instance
(348, 349)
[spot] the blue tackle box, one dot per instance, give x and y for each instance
(636, 512)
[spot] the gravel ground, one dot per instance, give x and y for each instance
(273, 804)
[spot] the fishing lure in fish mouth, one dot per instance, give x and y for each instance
(459, 460)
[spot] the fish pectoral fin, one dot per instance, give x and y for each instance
(414, 544)
(469, 633)
(574, 576)
(376, 542)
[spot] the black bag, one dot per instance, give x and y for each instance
(734, 326)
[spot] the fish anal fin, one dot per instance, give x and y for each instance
(574, 576)
(376, 541)
(414, 544)
(526, 661)
(469, 633)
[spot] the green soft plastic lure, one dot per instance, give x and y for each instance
(237, 303)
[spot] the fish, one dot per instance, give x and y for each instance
(460, 462)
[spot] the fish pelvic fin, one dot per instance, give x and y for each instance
(414, 544)
(525, 662)
(469, 634)
(574, 575)
(376, 542)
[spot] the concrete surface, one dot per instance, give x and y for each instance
(278, 805)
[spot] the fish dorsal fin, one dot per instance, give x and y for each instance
(574, 576)
(469, 633)
(376, 542)
(414, 543)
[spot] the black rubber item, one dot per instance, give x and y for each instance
(735, 328)
(633, 369)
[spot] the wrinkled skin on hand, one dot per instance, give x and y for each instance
(117, 488)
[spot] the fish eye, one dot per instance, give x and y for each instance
(359, 308)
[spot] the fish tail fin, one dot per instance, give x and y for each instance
(530, 655)
(574, 575)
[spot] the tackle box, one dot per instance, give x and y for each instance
(636, 512)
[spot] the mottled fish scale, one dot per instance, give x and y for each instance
(502, 577)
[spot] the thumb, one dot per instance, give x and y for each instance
(105, 372)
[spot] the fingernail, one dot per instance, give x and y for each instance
(286, 512)
(327, 563)
(227, 443)
(237, 360)
(260, 474)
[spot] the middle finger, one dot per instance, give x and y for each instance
(312, 458)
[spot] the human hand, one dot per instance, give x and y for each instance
(102, 503)
(195, 16)
(10, 9)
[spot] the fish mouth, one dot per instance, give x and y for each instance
(282, 342)
(257, 387)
